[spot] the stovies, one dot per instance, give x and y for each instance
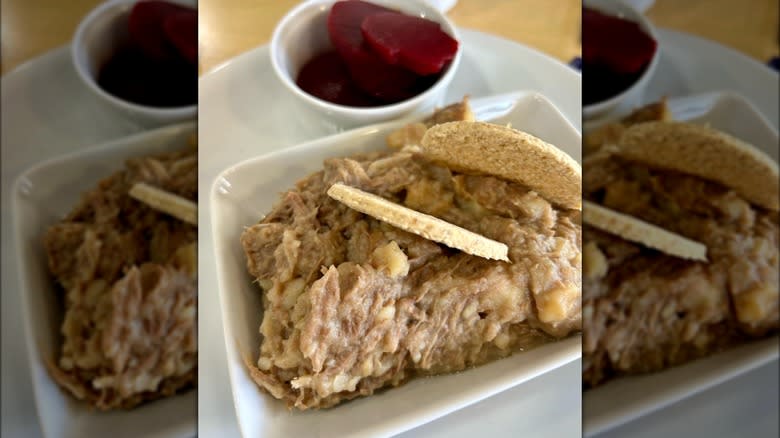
(352, 304)
(128, 274)
(644, 310)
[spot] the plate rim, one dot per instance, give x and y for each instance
(627, 414)
(33, 62)
(719, 46)
(461, 29)
(514, 96)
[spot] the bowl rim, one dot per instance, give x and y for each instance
(290, 18)
(77, 48)
(644, 23)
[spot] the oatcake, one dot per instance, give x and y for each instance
(635, 230)
(128, 275)
(421, 224)
(508, 153)
(353, 305)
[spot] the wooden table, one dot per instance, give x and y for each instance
(748, 26)
(31, 28)
(230, 27)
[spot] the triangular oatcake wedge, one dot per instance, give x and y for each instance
(422, 224)
(707, 153)
(639, 231)
(508, 153)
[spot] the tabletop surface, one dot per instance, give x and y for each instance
(230, 27)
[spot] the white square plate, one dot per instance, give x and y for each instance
(41, 196)
(625, 399)
(242, 194)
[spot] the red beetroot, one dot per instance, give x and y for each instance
(373, 75)
(326, 76)
(344, 23)
(181, 29)
(389, 83)
(617, 44)
(413, 42)
(145, 25)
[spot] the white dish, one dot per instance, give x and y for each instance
(242, 194)
(236, 125)
(41, 196)
(625, 399)
(498, 415)
(743, 406)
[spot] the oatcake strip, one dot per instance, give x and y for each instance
(507, 153)
(707, 153)
(424, 225)
(636, 230)
(166, 202)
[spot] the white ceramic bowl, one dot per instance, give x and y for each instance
(303, 33)
(41, 196)
(632, 94)
(97, 37)
(243, 193)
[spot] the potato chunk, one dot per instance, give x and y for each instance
(755, 304)
(556, 304)
(391, 259)
(594, 263)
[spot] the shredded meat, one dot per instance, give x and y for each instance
(611, 132)
(129, 278)
(411, 134)
(645, 311)
(352, 305)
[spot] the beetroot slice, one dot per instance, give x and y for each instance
(344, 22)
(181, 30)
(145, 25)
(389, 83)
(370, 73)
(619, 45)
(326, 76)
(416, 43)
